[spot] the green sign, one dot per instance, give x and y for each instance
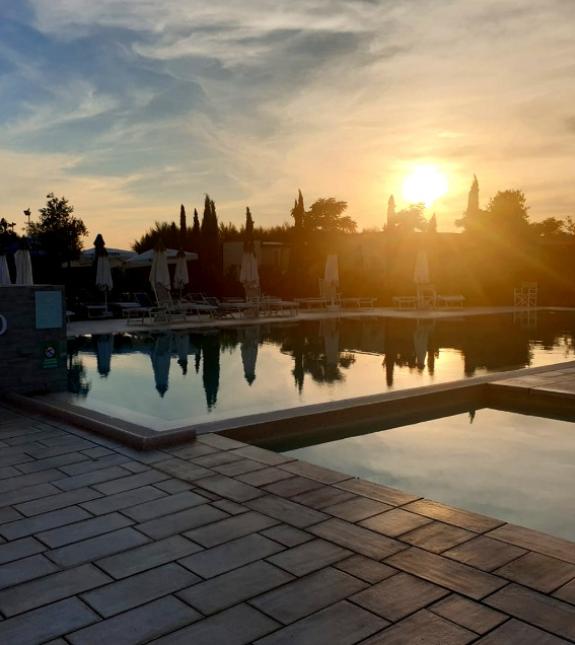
(50, 355)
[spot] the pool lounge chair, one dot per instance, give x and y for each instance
(450, 302)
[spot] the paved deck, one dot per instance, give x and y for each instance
(220, 542)
(117, 326)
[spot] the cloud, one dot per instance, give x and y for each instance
(167, 100)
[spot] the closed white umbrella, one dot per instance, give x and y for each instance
(5, 279)
(159, 273)
(181, 276)
(421, 271)
(331, 277)
(249, 274)
(23, 267)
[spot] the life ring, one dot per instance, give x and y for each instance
(3, 325)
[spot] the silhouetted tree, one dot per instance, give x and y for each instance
(196, 236)
(411, 219)
(327, 215)
(473, 217)
(183, 226)
(550, 227)
(249, 232)
(391, 215)
(58, 232)
(7, 234)
(298, 212)
(507, 213)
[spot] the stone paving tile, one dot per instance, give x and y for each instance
(265, 456)
(238, 467)
(182, 469)
(39, 523)
(137, 590)
(185, 520)
(135, 467)
(422, 628)
(85, 467)
(55, 502)
(538, 571)
(535, 541)
(287, 535)
(21, 481)
(219, 441)
(148, 556)
(437, 537)
(8, 514)
(340, 624)
(216, 459)
(515, 632)
(311, 556)
(450, 515)
(191, 450)
(542, 611)
(230, 528)
(138, 625)
(307, 595)
(20, 549)
(264, 476)
(233, 508)
(322, 497)
(120, 501)
(42, 452)
(92, 477)
(448, 573)
(398, 596)
(366, 569)
(48, 622)
(567, 592)
(292, 486)
(50, 588)
(91, 527)
(95, 453)
(97, 547)
(14, 457)
(485, 553)
(378, 492)
(234, 587)
(356, 509)
(18, 571)
(311, 471)
(9, 471)
(129, 483)
(395, 522)
(174, 486)
(360, 540)
(231, 555)
(53, 462)
(164, 506)
(286, 511)
(238, 625)
(468, 613)
(230, 488)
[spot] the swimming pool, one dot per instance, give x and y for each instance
(167, 380)
(518, 468)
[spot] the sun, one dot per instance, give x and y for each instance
(424, 185)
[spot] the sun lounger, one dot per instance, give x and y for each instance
(404, 302)
(450, 302)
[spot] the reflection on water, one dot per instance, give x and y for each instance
(514, 467)
(232, 372)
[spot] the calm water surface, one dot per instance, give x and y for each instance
(518, 468)
(166, 380)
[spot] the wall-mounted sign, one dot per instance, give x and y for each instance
(49, 310)
(50, 355)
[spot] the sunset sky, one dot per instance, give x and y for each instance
(130, 107)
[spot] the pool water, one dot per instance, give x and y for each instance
(166, 380)
(518, 468)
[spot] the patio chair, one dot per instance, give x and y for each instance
(526, 295)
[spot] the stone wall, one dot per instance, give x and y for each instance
(33, 346)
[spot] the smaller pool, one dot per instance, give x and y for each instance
(518, 468)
